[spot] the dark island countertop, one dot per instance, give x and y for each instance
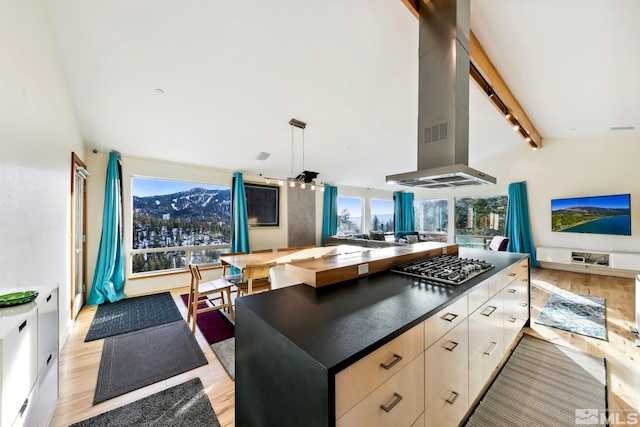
(339, 324)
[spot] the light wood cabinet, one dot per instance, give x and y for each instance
(446, 377)
(399, 401)
(445, 320)
(358, 380)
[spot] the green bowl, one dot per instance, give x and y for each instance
(17, 298)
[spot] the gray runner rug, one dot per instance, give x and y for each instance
(226, 353)
(544, 384)
(137, 359)
(183, 405)
(132, 314)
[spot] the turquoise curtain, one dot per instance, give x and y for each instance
(108, 277)
(239, 221)
(518, 227)
(329, 212)
(403, 211)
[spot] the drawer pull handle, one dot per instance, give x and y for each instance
(23, 407)
(396, 400)
(49, 298)
(512, 291)
(453, 398)
(489, 311)
(512, 320)
(396, 359)
(449, 317)
(523, 304)
(22, 326)
(451, 346)
(49, 359)
(512, 274)
(525, 280)
(492, 348)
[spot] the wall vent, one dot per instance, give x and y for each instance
(436, 133)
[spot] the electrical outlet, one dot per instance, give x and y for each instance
(363, 269)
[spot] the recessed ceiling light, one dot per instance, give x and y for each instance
(262, 156)
(622, 128)
(160, 91)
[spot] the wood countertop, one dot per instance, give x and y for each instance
(338, 266)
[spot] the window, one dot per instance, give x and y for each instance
(382, 216)
(478, 219)
(176, 222)
(432, 218)
(349, 215)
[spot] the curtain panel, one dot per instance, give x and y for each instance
(403, 211)
(108, 277)
(518, 226)
(239, 218)
(329, 212)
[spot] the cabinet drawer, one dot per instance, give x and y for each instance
(419, 422)
(402, 397)
(479, 295)
(358, 380)
(443, 321)
(443, 361)
(517, 292)
(450, 404)
(483, 363)
(484, 322)
(19, 366)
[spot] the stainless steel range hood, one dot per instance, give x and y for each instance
(443, 100)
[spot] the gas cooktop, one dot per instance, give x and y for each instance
(447, 269)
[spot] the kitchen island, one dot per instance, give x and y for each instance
(300, 350)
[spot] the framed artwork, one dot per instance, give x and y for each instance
(263, 205)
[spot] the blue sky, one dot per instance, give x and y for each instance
(354, 206)
(617, 201)
(142, 187)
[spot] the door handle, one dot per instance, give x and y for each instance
(450, 347)
(449, 317)
(489, 311)
(453, 398)
(492, 348)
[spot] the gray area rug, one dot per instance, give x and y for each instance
(183, 405)
(137, 359)
(580, 314)
(132, 314)
(226, 353)
(544, 384)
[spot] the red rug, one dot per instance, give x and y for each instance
(213, 324)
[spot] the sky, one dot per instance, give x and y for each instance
(617, 201)
(354, 206)
(143, 187)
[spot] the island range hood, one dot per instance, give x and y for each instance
(443, 100)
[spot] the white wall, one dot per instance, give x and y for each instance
(565, 168)
(38, 132)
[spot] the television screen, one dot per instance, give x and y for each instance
(597, 215)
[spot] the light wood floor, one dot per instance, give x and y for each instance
(79, 361)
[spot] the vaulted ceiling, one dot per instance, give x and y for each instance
(214, 83)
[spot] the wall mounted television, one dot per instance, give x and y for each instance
(595, 215)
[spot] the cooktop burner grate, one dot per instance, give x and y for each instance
(447, 269)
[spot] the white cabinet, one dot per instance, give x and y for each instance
(622, 264)
(29, 361)
(19, 365)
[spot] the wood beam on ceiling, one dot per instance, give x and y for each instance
(489, 80)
